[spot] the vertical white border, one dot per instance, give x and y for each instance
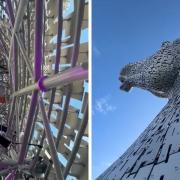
(90, 87)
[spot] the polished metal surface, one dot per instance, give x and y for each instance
(156, 152)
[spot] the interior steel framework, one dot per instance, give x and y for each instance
(44, 89)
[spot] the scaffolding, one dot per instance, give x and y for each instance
(44, 89)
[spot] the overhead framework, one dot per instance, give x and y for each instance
(44, 89)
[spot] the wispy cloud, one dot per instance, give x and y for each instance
(103, 105)
(106, 164)
(96, 51)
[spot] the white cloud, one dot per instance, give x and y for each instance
(106, 164)
(102, 105)
(96, 51)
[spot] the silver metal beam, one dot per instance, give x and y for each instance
(77, 142)
(51, 142)
(60, 79)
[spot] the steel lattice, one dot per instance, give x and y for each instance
(43, 89)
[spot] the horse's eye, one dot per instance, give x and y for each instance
(122, 78)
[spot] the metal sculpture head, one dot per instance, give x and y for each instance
(156, 73)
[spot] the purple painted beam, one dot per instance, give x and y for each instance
(10, 176)
(38, 39)
(77, 33)
(58, 48)
(58, 54)
(74, 58)
(10, 11)
(59, 36)
(37, 75)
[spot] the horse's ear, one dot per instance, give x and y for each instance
(177, 41)
(165, 43)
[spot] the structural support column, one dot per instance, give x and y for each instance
(50, 139)
(37, 75)
(74, 58)
(77, 142)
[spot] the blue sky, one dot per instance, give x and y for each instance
(125, 31)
